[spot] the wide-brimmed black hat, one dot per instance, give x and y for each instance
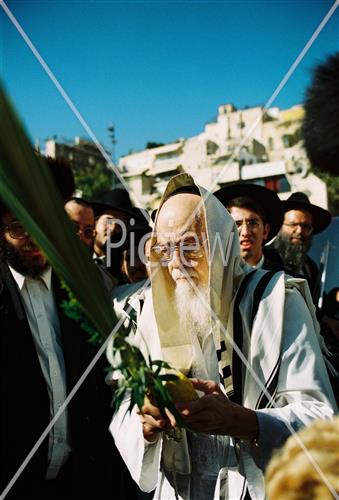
(118, 199)
(321, 218)
(115, 199)
(267, 200)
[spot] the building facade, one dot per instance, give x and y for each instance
(249, 145)
(79, 153)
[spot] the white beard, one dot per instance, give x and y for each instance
(193, 309)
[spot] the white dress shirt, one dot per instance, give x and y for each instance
(38, 300)
(260, 263)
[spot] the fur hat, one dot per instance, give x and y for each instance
(321, 123)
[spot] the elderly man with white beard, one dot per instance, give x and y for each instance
(246, 337)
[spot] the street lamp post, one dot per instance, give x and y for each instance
(111, 135)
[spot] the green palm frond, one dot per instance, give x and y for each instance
(28, 189)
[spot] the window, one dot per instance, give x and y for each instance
(286, 138)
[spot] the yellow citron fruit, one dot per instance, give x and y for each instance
(182, 389)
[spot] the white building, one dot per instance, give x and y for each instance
(242, 145)
(79, 153)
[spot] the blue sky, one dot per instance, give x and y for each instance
(157, 69)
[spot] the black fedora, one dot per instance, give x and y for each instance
(267, 200)
(115, 199)
(118, 199)
(321, 218)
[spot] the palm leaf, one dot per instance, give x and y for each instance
(28, 189)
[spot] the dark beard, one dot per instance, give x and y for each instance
(27, 266)
(294, 255)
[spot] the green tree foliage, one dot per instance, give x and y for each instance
(152, 144)
(92, 180)
(332, 183)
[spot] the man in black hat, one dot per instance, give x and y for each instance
(258, 214)
(116, 221)
(301, 221)
(43, 354)
(113, 213)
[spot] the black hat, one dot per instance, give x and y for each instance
(268, 201)
(118, 199)
(299, 201)
(115, 199)
(62, 175)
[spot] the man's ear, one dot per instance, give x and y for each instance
(267, 229)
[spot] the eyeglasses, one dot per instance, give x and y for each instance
(188, 250)
(249, 223)
(88, 232)
(307, 228)
(16, 230)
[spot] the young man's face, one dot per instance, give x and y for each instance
(252, 233)
(18, 248)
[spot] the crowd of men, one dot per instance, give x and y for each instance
(222, 288)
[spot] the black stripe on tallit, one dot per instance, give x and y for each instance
(132, 314)
(244, 490)
(238, 335)
(259, 292)
(221, 349)
(226, 372)
(263, 400)
(272, 381)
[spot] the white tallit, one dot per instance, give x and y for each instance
(264, 347)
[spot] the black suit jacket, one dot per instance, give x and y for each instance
(272, 260)
(95, 470)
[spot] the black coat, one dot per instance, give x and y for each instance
(94, 470)
(272, 260)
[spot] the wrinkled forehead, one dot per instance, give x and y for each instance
(299, 215)
(180, 214)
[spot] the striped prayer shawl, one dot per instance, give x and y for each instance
(230, 370)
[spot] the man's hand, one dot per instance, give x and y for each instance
(215, 414)
(153, 422)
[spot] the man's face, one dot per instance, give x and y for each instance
(297, 227)
(107, 225)
(83, 218)
(180, 235)
(252, 233)
(18, 249)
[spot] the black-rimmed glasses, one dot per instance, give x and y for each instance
(16, 230)
(89, 231)
(188, 250)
